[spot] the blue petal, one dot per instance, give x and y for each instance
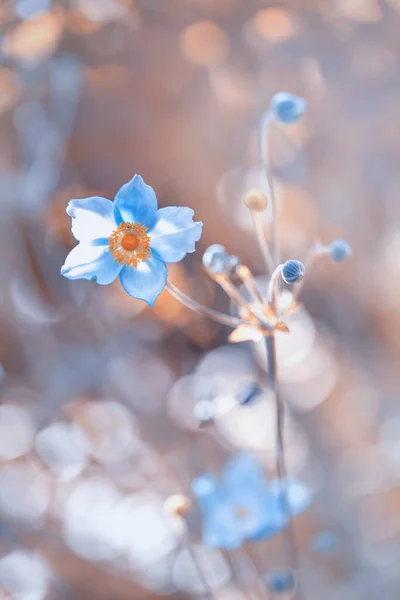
(147, 280)
(136, 202)
(174, 233)
(243, 471)
(91, 218)
(91, 262)
(299, 495)
(205, 488)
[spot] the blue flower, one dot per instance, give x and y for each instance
(242, 505)
(129, 237)
(287, 108)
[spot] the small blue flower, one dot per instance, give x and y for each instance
(292, 271)
(129, 237)
(287, 108)
(242, 505)
(339, 250)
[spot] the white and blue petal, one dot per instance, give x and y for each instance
(136, 202)
(91, 262)
(146, 281)
(92, 218)
(174, 233)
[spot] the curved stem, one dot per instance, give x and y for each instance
(290, 548)
(265, 160)
(273, 285)
(203, 310)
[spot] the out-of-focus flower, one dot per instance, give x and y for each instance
(129, 237)
(287, 108)
(339, 250)
(25, 575)
(243, 505)
(280, 581)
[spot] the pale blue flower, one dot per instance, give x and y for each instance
(130, 237)
(243, 505)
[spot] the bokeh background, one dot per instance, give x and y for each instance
(98, 391)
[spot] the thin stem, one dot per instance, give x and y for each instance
(265, 160)
(207, 588)
(247, 278)
(290, 548)
(313, 253)
(258, 579)
(231, 290)
(262, 242)
(203, 310)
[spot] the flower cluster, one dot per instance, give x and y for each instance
(243, 505)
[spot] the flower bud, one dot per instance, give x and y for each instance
(177, 505)
(292, 271)
(215, 259)
(204, 412)
(232, 264)
(280, 581)
(249, 393)
(339, 250)
(287, 108)
(256, 200)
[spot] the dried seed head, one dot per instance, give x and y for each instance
(339, 250)
(292, 271)
(256, 200)
(177, 505)
(287, 108)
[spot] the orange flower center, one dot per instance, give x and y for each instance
(129, 244)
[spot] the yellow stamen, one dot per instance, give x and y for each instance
(129, 244)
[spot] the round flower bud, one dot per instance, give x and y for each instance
(256, 200)
(204, 412)
(249, 393)
(232, 264)
(280, 581)
(177, 505)
(287, 108)
(215, 259)
(292, 271)
(339, 250)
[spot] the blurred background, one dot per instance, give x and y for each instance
(98, 392)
